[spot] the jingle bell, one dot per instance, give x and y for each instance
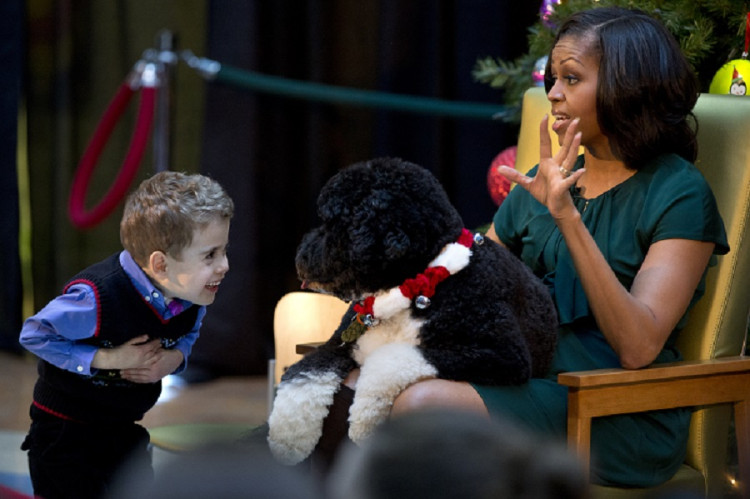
(422, 302)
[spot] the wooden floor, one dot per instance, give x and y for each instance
(17, 376)
(222, 400)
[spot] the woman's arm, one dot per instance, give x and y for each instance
(493, 235)
(635, 322)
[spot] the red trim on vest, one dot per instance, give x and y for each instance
(52, 412)
(153, 309)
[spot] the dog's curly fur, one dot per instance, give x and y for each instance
(384, 221)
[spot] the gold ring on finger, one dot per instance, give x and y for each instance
(565, 172)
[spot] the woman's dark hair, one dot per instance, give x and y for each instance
(646, 89)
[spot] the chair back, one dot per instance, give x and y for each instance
(717, 325)
(302, 317)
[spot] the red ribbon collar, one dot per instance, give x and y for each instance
(423, 285)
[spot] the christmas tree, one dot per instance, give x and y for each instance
(710, 33)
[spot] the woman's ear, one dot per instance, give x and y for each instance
(157, 264)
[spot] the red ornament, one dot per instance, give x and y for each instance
(499, 186)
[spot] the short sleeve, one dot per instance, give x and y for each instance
(682, 206)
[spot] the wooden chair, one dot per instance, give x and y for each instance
(715, 377)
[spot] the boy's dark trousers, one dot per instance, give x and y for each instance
(69, 459)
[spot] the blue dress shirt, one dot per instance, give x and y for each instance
(53, 333)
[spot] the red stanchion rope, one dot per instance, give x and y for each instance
(82, 218)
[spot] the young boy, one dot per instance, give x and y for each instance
(119, 327)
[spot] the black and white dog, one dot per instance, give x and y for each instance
(429, 300)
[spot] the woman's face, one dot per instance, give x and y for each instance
(574, 70)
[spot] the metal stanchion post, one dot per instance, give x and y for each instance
(165, 59)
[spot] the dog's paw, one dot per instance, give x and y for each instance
(365, 414)
(386, 372)
(296, 421)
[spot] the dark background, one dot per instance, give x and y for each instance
(63, 61)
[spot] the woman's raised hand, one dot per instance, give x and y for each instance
(554, 178)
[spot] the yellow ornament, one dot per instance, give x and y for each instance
(731, 78)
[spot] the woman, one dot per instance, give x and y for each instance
(622, 234)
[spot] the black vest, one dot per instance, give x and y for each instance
(123, 314)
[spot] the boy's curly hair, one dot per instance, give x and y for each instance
(166, 209)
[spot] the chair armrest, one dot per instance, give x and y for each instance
(305, 348)
(605, 392)
(673, 371)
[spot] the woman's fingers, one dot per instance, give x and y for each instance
(545, 143)
(512, 174)
(566, 155)
(571, 155)
(566, 149)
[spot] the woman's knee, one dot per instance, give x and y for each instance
(438, 393)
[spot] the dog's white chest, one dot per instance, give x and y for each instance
(400, 328)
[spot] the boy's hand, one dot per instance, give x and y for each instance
(139, 352)
(167, 362)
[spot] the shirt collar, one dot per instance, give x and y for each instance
(148, 291)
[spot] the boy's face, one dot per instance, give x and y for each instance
(201, 267)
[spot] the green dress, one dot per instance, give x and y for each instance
(668, 198)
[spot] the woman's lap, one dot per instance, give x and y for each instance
(636, 450)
